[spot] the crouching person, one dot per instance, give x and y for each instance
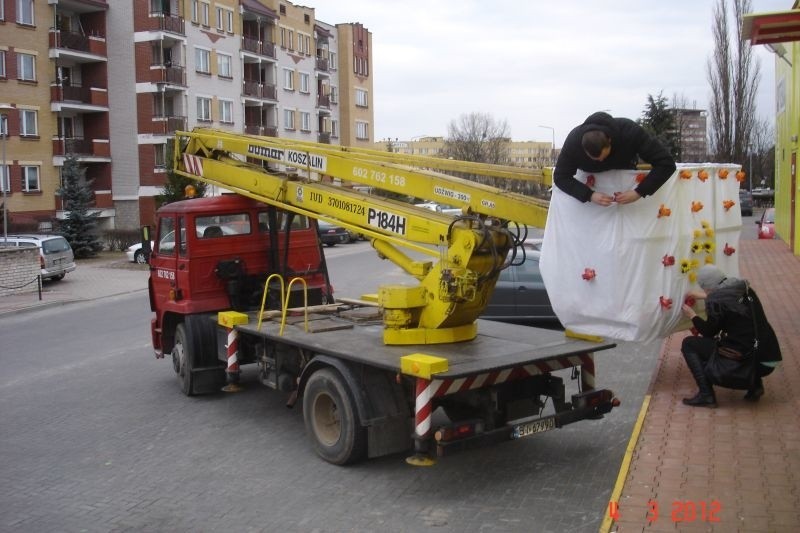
(736, 346)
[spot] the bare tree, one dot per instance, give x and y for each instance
(477, 137)
(763, 146)
(733, 73)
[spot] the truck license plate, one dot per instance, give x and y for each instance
(537, 426)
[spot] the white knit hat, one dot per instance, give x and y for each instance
(709, 276)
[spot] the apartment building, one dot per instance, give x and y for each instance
(692, 133)
(529, 154)
(110, 82)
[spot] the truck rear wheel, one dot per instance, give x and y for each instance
(332, 420)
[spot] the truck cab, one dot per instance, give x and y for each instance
(213, 254)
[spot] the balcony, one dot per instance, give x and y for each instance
(322, 64)
(262, 91)
(264, 131)
(258, 47)
(324, 137)
(323, 100)
(173, 75)
(77, 46)
(168, 125)
(81, 148)
(160, 21)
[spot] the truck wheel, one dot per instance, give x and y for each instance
(182, 360)
(332, 420)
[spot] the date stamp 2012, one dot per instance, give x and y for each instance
(681, 511)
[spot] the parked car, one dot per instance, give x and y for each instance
(766, 224)
(746, 202)
(135, 254)
(331, 234)
(55, 254)
(520, 295)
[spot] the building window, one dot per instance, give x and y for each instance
(26, 67)
(229, 20)
(334, 128)
(305, 121)
(30, 179)
(282, 9)
(305, 85)
(226, 111)
(195, 11)
(224, 63)
(160, 156)
(3, 125)
(202, 60)
(334, 95)
(203, 109)
(204, 10)
(4, 181)
(332, 60)
(288, 79)
(361, 98)
(288, 119)
(362, 130)
(3, 73)
(29, 123)
(304, 43)
(220, 19)
(25, 12)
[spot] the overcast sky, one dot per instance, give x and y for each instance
(534, 62)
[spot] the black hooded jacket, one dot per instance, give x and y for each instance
(629, 143)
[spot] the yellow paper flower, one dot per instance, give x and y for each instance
(710, 232)
(705, 224)
(709, 259)
(698, 233)
(708, 246)
(692, 276)
(694, 264)
(696, 247)
(684, 266)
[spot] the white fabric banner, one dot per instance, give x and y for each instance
(623, 271)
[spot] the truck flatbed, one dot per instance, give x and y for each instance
(497, 346)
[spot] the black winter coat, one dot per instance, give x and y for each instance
(629, 143)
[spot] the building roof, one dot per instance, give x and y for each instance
(774, 27)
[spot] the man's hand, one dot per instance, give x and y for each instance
(688, 312)
(602, 199)
(627, 197)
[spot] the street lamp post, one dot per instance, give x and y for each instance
(750, 174)
(6, 177)
(553, 147)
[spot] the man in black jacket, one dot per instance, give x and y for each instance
(602, 143)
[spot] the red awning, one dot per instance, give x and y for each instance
(258, 7)
(767, 28)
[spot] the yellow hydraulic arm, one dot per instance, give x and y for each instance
(472, 249)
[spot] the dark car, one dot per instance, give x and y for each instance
(520, 295)
(331, 234)
(746, 202)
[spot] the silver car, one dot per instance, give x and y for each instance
(55, 253)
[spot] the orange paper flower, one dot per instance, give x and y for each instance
(727, 204)
(664, 211)
(686, 174)
(697, 206)
(702, 175)
(740, 176)
(723, 173)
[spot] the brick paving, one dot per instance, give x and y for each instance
(736, 467)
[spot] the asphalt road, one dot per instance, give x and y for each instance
(96, 436)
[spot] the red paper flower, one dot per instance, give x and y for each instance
(666, 303)
(589, 274)
(590, 180)
(690, 301)
(668, 260)
(728, 250)
(640, 177)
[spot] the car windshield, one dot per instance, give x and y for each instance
(769, 216)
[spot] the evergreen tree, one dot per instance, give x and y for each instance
(659, 120)
(79, 225)
(175, 185)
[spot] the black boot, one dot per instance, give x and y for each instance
(705, 394)
(756, 391)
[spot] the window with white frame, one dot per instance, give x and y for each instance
(202, 60)
(195, 11)
(226, 111)
(305, 121)
(30, 178)
(204, 13)
(3, 73)
(334, 94)
(334, 128)
(25, 12)
(220, 18)
(332, 60)
(3, 125)
(160, 156)
(29, 123)
(287, 38)
(288, 79)
(288, 119)
(362, 130)
(224, 65)
(26, 67)
(203, 109)
(2, 11)
(305, 82)
(303, 43)
(361, 98)
(229, 21)
(5, 184)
